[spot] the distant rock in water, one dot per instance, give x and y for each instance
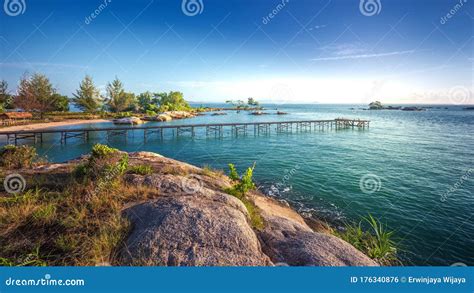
(258, 113)
(412, 109)
(376, 105)
(469, 108)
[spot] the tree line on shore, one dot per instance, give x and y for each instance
(35, 93)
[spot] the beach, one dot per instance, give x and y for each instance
(45, 125)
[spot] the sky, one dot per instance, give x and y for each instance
(281, 51)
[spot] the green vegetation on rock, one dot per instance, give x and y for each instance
(240, 189)
(17, 157)
(376, 241)
(140, 170)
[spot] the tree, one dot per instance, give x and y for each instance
(375, 105)
(60, 102)
(6, 100)
(119, 100)
(172, 101)
(87, 97)
(147, 102)
(252, 102)
(36, 93)
(240, 104)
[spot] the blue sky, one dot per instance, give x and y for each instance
(308, 51)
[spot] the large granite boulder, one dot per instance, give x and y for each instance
(289, 242)
(193, 223)
(206, 228)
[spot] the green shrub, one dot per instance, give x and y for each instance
(245, 183)
(240, 190)
(150, 113)
(233, 175)
(376, 242)
(102, 151)
(104, 167)
(17, 157)
(140, 170)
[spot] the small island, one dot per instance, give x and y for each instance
(377, 105)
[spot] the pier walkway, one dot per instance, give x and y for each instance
(216, 129)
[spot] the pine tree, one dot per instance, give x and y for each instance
(119, 100)
(87, 97)
(36, 94)
(5, 97)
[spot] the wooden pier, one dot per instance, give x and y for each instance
(216, 130)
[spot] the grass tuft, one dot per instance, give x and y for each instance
(17, 157)
(376, 241)
(240, 190)
(80, 225)
(140, 170)
(211, 172)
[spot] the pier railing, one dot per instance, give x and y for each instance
(214, 129)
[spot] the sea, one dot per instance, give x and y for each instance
(413, 170)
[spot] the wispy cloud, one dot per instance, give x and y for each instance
(39, 64)
(364, 56)
(345, 49)
(317, 27)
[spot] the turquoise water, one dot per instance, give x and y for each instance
(414, 158)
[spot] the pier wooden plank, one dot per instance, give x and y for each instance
(215, 128)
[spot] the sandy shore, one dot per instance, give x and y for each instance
(45, 125)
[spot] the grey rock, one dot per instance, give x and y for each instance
(207, 228)
(286, 241)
